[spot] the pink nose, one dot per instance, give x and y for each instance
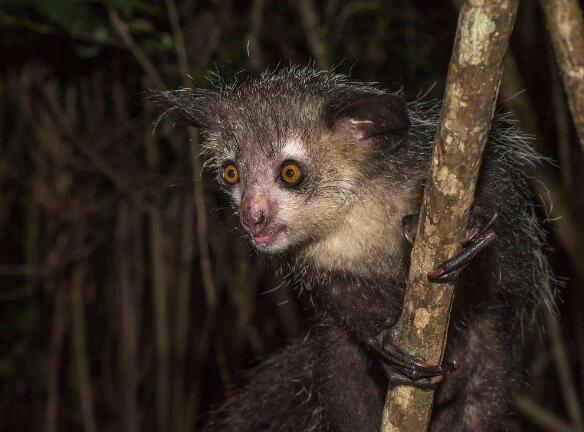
(255, 214)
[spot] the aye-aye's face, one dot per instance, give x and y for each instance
(293, 180)
(290, 193)
(294, 149)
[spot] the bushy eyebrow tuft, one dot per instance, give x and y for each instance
(293, 148)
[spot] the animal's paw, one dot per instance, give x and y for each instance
(479, 235)
(401, 367)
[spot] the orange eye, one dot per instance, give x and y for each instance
(230, 174)
(291, 173)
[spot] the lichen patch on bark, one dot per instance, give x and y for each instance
(474, 32)
(404, 396)
(421, 318)
(448, 181)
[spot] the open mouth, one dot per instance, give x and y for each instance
(266, 240)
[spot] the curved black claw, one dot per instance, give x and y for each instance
(401, 367)
(410, 226)
(477, 239)
(479, 229)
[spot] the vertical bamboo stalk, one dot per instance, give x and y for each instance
(128, 321)
(57, 337)
(128, 262)
(199, 201)
(198, 191)
(310, 22)
(160, 304)
(566, 26)
(183, 298)
(567, 381)
(520, 105)
(482, 37)
(563, 138)
(159, 298)
(80, 348)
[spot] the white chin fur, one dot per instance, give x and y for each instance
(280, 244)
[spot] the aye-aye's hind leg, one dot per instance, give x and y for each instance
(352, 386)
(279, 396)
(478, 396)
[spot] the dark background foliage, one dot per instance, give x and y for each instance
(127, 300)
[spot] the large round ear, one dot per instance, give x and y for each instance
(186, 107)
(381, 118)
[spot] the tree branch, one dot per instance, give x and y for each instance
(124, 32)
(471, 91)
(566, 26)
(545, 419)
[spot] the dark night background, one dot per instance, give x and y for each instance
(109, 320)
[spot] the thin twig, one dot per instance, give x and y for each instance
(127, 225)
(564, 372)
(199, 193)
(57, 337)
(124, 32)
(563, 135)
(160, 310)
(566, 26)
(80, 348)
(545, 419)
(48, 30)
(348, 11)
(310, 22)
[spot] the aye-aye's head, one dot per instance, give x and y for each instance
(295, 149)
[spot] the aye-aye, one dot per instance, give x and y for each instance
(327, 174)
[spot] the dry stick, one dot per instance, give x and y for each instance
(564, 371)
(569, 232)
(93, 157)
(562, 118)
(157, 235)
(310, 22)
(545, 419)
(128, 228)
(473, 81)
(515, 100)
(79, 347)
(160, 304)
(566, 26)
(346, 13)
(46, 127)
(57, 337)
(159, 272)
(183, 299)
(44, 29)
(128, 322)
(198, 188)
(120, 26)
(199, 193)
